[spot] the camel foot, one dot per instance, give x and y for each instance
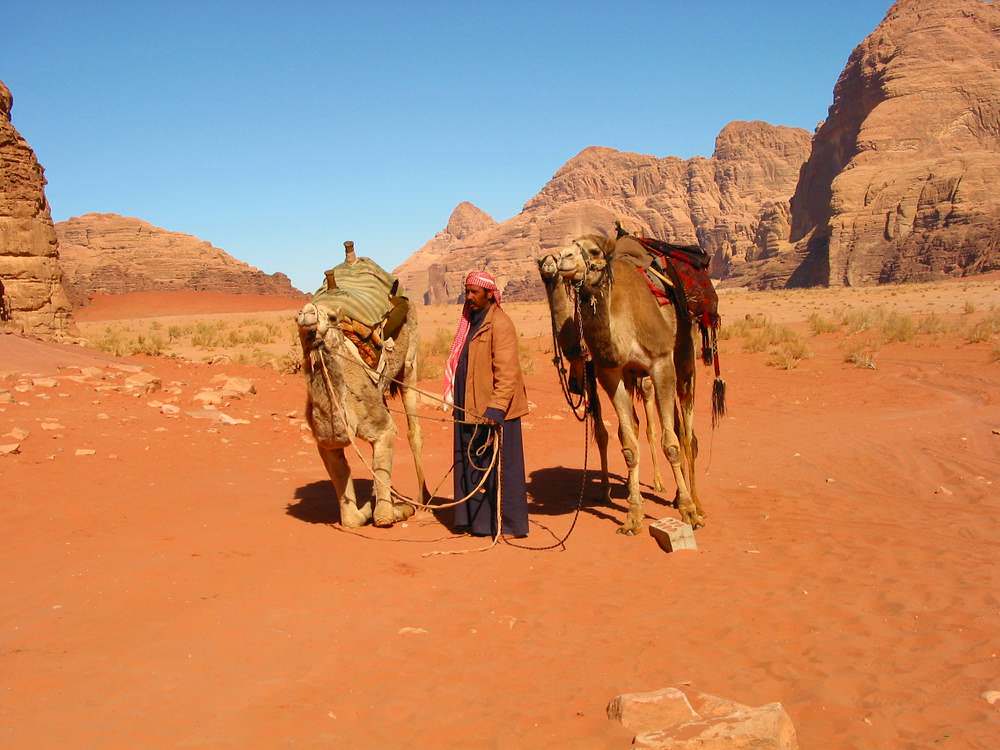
(401, 511)
(658, 485)
(627, 531)
(385, 514)
(351, 517)
(689, 515)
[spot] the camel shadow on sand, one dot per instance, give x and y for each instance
(554, 491)
(316, 502)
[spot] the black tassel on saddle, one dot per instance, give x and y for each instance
(719, 385)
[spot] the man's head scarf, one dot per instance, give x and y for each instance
(484, 280)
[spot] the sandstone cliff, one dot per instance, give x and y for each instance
(111, 254)
(32, 299)
(901, 183)
(734, 203)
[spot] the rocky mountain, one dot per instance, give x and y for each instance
(901, 182)
(111, 254)
(734, 203)
(32, 299)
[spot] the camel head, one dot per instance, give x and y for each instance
(585, 260)
(548, 268)
(320, 337)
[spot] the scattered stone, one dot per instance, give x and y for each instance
(125, 368)
(92, 372)
(52, 426)
(996, 431)
(238, 387)
(102, 415)
(170, 409)
(646, 712)
(17, 434)
(412, 631)
(6, 397)
(85, 452)
(992, 697)
(10, 449)
(765, 728)
(292, 414)
(160, 429)
(143, 380)
(44, 382)
(208, 397)
(673, 535)
(154, 404)
(830, 480)
(942, 490)
(226, 419)
(22, 388)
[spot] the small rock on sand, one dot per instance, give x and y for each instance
(992, 697)
(17, 434)
(44, 382)
(52, 426)
(143, 381)
(85, 452)
(10, 449)
(412, 631)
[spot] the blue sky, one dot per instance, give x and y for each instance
(277, 130)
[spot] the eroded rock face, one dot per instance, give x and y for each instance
(735, 204)
(32, 299)
(901, 182)
(112, 254)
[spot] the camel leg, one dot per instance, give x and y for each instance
(628, 429)
(685, 361)
(649, 404)
(415, 436)
(351, 516)
(665, 382)
(601, 436)
(386, 512)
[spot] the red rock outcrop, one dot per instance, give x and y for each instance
(901, 183)
(111, 254)
(32, 299)
(735, 204)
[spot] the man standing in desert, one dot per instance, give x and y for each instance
(484, 383)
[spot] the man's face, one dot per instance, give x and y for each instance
(477, 298)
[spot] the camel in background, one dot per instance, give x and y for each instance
(630, 336)
(567, 337)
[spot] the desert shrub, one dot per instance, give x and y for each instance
(527, 361)
(819, 324)
(861, 319)
(862, 356)
(932, 325)
(985, 329)
(896, 327)
(763, 338)
(788, 354)
(995, 354)
(968, 308)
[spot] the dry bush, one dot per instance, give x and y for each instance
(896, 327)
(995, 354)
(968, 308)
(527, 361)
(931, 325)
(818, 324)
(124, 341)
(760, 339)
(985, 329)
(862, 356)
(788, 354)
(861, 319)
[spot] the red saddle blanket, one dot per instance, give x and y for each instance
(687, 269)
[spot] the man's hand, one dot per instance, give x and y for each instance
(493, 417)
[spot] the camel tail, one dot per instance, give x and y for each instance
(719, 385)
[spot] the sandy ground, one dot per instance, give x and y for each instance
(186, 585)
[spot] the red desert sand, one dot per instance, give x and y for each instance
(171, 581)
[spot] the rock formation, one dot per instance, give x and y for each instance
(734, 203)
(111, 254)
(901, 183)
(32, 299)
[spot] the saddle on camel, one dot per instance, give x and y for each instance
(678, 275)
(365, 303)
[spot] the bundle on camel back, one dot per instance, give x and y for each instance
(359, 344)
(678, 275)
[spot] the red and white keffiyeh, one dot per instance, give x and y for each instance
(484, 280)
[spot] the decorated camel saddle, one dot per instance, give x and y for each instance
(366, 303)
(677, 275)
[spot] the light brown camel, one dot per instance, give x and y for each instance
(567, 336)
(629, 336)
(358, 408)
